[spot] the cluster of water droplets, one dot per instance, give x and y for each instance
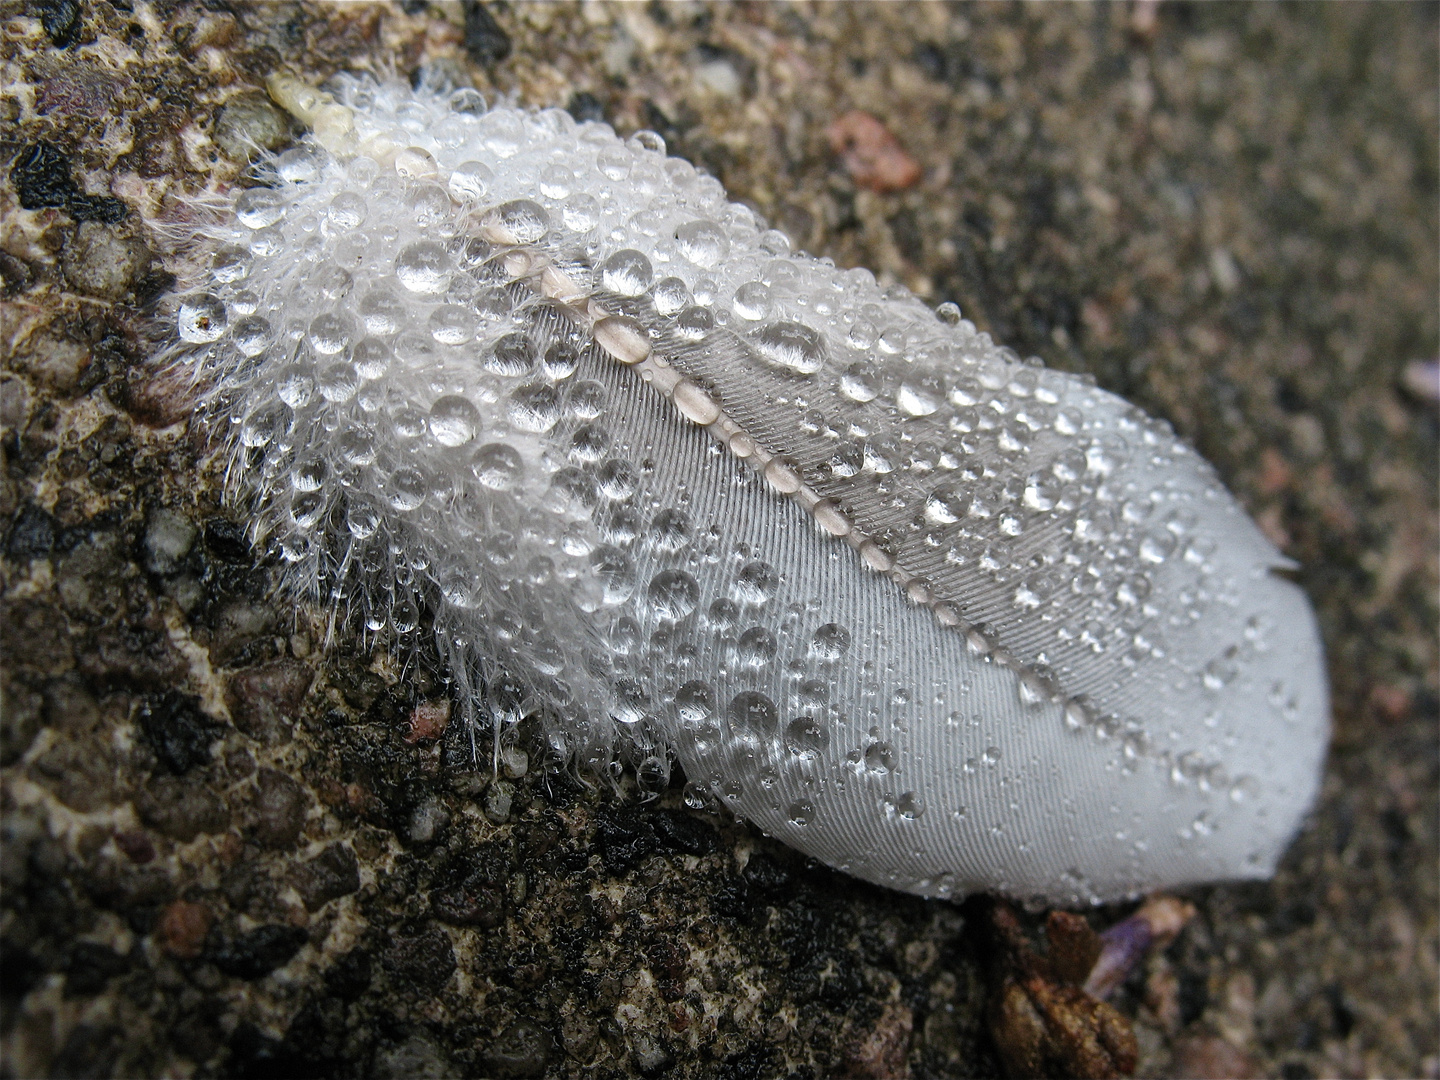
(551, 391)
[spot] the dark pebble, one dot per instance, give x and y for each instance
(264, 700)
(258, 952)
(469, 904)
(41, 175)
(32, 533)
(61, 20)
(181, 809)
(349, 976)
(682, 832)
(523, 1049)
(485, 41)
(280, 805)
(173, 725)
(334, 873)
(90, 967)
(421, 962)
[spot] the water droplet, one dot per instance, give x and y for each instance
(830, 642)
(581, 212)
(382, 312)
(751, 711)
(535, 407)
(201, 319)
(627, 272)
(454, 421)
(756, 648)
(802, 812)
(673, 595)
(512, 356)
(703, 243)
(631, 701)
(329, 333)
(521, 221)
(806, 738)
(909, 806)
(452, 324)
(617, 480)
(752, 301)
(423, 267)
(860, 382)
(469, 181)
(793, 347)
(670, 531)
(880, 758)
(497, 466)
(756, 583)
(259, 208)
(407, 489)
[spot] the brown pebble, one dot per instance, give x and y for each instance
(1209, 1057)
(871, 155)
(428, 720)
(264, 700)
(280, 807)
(182, 928)
(102, 261)
(136, 846)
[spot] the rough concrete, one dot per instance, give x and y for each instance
(232, 848)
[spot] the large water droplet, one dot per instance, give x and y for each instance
(201, 319)
(627, 272)
(830, 642)
(704, 243)
(790, 346)
(497, 466)
(454, 421)
(423, 267)
(753, 712)
(756, 583)
(535, 407)
(673, 595)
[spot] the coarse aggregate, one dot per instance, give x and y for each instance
(234, 844)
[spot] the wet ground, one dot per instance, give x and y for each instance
(229, 849)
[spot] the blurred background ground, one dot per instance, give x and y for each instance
(223, 856)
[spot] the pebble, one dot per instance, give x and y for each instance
(103, 261)
(249, 123)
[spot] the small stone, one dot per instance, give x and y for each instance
(417, 1058)
(55, 361)
(182, 928)
(421, 961)
(427, 720)
(280, 806)
(181, 809)
(498, 798)
(523, 1049)
(427, 821)
(872, 155)
(91, 965)
(32, 533)
(173, 726)
(102, 261)
(334, 873)
(486, 41)
(169, 537)
(250, 123)
(264, 700)
(259, 952)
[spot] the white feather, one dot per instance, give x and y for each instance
(941, 619)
